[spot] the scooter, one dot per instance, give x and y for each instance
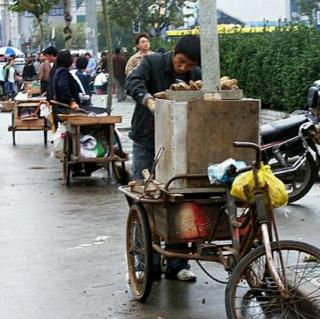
(290, 148)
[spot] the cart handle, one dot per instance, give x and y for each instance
(184, 176)
(251, 145)
(69, 107)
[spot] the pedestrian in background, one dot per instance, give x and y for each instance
(101, 81)
(82, 80)
(29, 72)
(119, 66)
(91, 67)
(65, 88)
(10, 77)
(48, 58)
(142, 42)
(50, 54)
(2, 58)
(156, 73)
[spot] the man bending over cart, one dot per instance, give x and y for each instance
(156, 73)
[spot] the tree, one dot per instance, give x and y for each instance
(67, 18)
(37, 8)
(77, 42)
(106, 19)
(153, 15)
(307, 8)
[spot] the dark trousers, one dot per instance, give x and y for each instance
(142, 157)
(43, 86)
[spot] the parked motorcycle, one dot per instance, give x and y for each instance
(290, 148)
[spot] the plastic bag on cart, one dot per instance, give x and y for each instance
(225, 171)
(58, 140)
(276, 189)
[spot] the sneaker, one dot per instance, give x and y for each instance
(186, 275)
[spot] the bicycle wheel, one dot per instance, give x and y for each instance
(252, 293)
(120, 172)
(139, 253)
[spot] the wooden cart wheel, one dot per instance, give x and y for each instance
(66, 159)
(139, 253)
(13, 130)
(45, 136)
(13, 137)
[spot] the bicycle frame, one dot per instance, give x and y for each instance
(263, 217)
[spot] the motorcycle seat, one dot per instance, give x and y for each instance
(282, 129)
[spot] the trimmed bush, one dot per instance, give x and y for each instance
(277, 67)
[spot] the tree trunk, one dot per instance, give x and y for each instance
(105, 11)
(41, 33)
(67, 18)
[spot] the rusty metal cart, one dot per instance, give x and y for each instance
(78, 124)
(207, 224)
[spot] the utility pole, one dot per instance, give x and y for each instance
(210, 59)
(6, 23)
(91, 26)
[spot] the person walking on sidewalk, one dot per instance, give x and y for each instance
(10, 77)
(119, 66)
(143, 45)
(44, 72)
(156, 73)
(50, 54)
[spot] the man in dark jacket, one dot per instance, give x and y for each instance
(156, 73)
(119, 65)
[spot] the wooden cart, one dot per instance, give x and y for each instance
(21, 122)
(76, 126)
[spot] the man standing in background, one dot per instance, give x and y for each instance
(48, 57)
(143, 45)
(119, 65)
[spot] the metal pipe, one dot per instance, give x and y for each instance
(270, 261)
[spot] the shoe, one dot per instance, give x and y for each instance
(186, 275)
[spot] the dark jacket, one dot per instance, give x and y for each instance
(119, 66)
(29, 72)
(84, 81)
(154, 74)
(50, 88)
(65, 87)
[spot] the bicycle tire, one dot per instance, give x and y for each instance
(262, 299)
(139, 253)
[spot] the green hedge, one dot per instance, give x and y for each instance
(277, 67)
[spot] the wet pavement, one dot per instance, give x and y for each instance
(63, 248)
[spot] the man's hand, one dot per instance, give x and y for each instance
(74, 105)
(150, 104)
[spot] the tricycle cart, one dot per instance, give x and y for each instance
(269, 278)
(78, 125)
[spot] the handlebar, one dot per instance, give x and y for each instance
(251, 145)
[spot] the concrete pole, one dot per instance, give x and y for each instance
(91, 27)
(210, 61)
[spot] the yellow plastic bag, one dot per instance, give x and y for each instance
(277, 190)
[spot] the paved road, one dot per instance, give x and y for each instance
(63, 249)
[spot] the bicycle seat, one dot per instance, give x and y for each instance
(282, 129)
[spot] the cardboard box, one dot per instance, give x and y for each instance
(198, 133)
